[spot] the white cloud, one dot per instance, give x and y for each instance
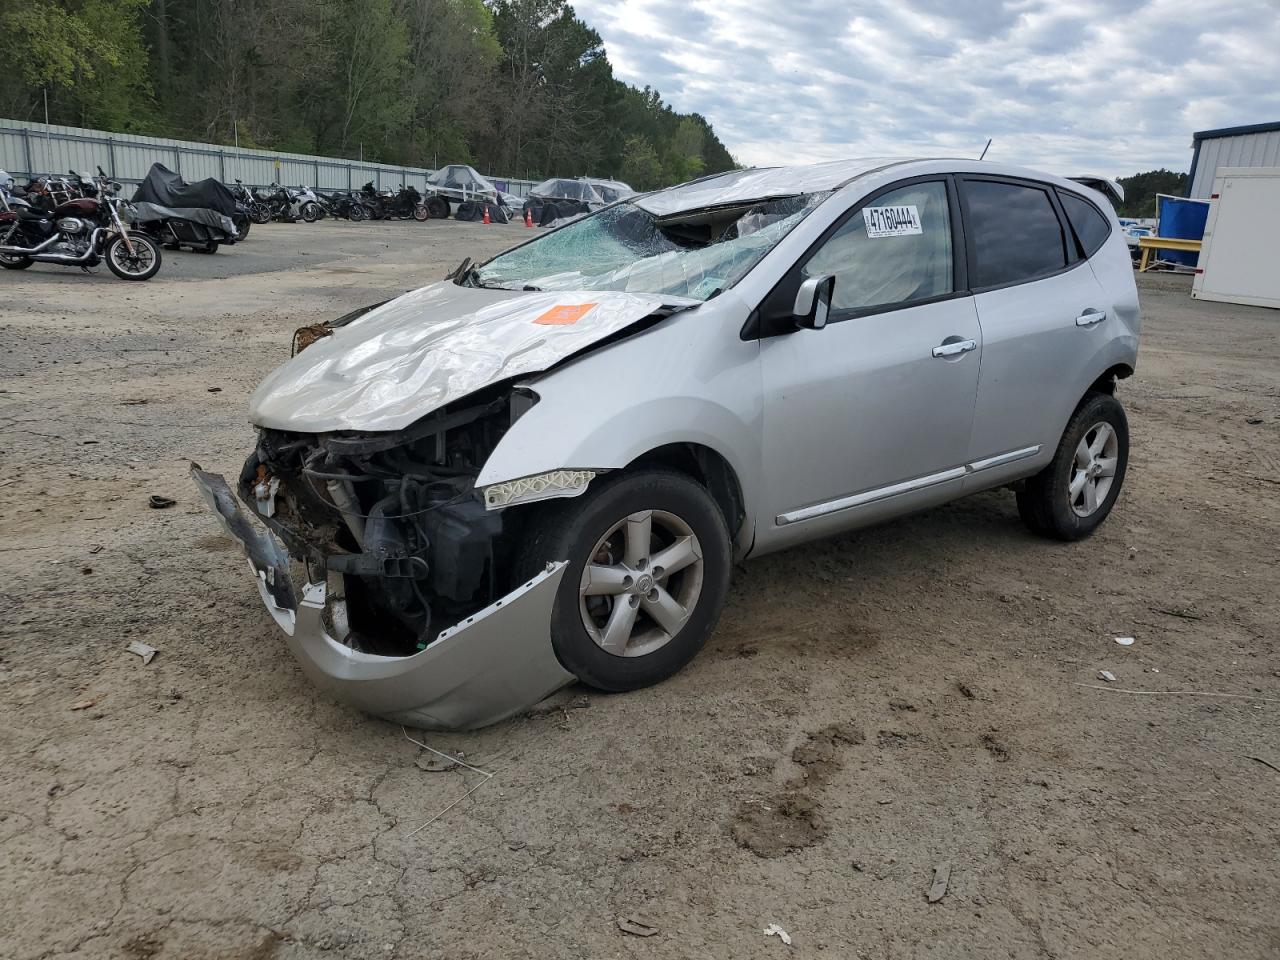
(1108, 86)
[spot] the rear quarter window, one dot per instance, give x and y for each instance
(1090, 226)
(1013, 232)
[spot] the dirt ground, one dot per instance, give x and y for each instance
(919, 694)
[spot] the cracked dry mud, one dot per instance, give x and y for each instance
(211, 805)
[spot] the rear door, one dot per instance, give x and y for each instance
(1043, 315)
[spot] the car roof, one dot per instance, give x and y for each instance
(763, 183)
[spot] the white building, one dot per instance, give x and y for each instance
(1256, 145)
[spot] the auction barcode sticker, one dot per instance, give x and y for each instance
(891, 221)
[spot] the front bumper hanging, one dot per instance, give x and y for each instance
(486, 668)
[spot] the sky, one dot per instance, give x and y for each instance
(1070, 86)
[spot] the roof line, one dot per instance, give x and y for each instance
(1236, 131)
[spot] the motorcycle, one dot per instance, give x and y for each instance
(77, 231)
(289, 205)
(403, 205)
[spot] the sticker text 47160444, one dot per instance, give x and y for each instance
(897, 221)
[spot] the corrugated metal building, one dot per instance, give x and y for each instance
(1256, 145)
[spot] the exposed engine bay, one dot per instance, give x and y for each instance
(397, 515)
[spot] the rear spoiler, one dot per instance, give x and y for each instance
(1110, 189)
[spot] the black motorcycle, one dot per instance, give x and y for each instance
(77, 231)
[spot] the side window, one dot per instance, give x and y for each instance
(1013, 231)
(894, 250)
(1091, 227)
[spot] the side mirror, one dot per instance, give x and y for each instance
(813, 302)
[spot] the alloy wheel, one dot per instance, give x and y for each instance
(641, 583)
(1094, 469)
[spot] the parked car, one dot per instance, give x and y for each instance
(544, 467)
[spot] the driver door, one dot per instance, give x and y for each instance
(872, 414)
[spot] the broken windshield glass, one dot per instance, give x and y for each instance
(694, 254)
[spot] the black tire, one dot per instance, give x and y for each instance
(1045, 502)
(242, 229)
(437, 208)
(152, 249)
(310, 212)
(356, 213)
(260, 213)
(570, 529)
(10, 262)
(210, 247)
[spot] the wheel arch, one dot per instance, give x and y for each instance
(1106, 381)
(710, 468)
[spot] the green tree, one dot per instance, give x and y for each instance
(1140, 191)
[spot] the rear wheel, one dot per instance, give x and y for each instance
(1070, 498)
(648, 570)
(142, 263)
(437, 208)
(242, 228)
(14, 262)
(421, 213)
(210, 247)
(260, 213)
(356, 212)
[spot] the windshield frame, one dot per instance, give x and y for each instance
(813, 200)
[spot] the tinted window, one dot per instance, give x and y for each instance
(896, 249)
(1013, 233)
(1091, 227)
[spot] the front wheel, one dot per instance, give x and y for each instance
(648, 570)
(260, 213)
(141, 264)
(242, 228)
(310, 212)
(421, 213)
(356, 213)
(1070, 498)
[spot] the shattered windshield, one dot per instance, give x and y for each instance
(694, 254)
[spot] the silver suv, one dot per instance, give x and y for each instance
(544, 467)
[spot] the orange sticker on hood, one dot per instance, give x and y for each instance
(565, 314)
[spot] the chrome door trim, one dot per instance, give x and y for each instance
(906, 486)
(1000, 459)
(870, 496)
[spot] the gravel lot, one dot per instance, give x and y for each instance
(917, 694)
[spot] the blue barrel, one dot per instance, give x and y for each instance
(1182, 218)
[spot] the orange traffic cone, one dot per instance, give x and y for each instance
(486, 214)
(528, 217)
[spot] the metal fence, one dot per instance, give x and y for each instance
(32, 149)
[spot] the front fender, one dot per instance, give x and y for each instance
(665, 386)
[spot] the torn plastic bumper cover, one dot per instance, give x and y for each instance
(486, 668)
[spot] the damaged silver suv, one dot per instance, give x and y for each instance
(544, 466)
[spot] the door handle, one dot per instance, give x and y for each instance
(1090, 317)
(953, 349)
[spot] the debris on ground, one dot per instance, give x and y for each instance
(637, 928)
(1253, 421)
(96, 548)
(941, 877)
(773, 930)
(214, 389)
(1265, 763)
(134, 402)
(1106, 675)
(1125, 641)
(433, 763)
(145, 651)
(157, 502)
(85, 704)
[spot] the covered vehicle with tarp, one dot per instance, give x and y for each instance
(459, 183)
(562, 198)
(199, 215)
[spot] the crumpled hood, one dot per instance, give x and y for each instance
(435, 345)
